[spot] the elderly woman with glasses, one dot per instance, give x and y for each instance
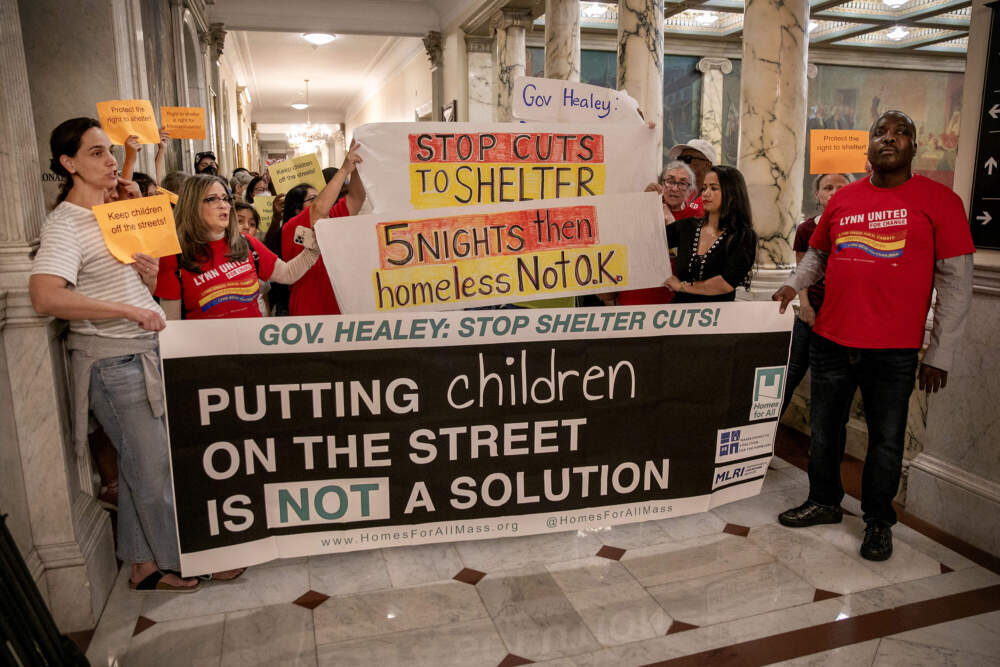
(216, 275)
(677, 188)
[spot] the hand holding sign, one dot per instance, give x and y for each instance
(121, 118)
(144, 225)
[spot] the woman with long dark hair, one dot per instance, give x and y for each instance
(113, 320)
(191, 284)
(715, 253)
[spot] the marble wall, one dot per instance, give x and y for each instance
(772, 139)
(509, 26)
(640, 61)
(712, 109)
(482, 98)
(562, 39)
(953, 480)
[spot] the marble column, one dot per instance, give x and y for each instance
(712, 71)
(482, 100)
(640, 62)
(433, 46)
(213, 41)
(509, 26)
(62, 533)
(562, 39)
(773, 129)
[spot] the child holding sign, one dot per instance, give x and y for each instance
(113, 321)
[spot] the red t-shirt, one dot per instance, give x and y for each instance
(692, 209)
(224, 288)
(882, 245)
(311, 294)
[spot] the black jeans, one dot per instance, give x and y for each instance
(798, 360)
(886, 378)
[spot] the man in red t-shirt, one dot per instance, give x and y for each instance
(312, 294)
(882, 245)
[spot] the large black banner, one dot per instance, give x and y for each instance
(315, 435)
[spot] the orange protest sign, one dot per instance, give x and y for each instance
(837, 151)
(170, 195)
(144, 225)
(120, 118)
(183, 122)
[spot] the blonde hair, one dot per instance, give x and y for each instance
(192, 232)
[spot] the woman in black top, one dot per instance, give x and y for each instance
(715, 254)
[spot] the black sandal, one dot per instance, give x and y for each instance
(154, 584)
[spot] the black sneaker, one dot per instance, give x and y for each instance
(877, 544)
(810, 514)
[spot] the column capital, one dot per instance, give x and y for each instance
(434, 48)
(214, 38)
(478, 44)
(510, 17)
(725, 65)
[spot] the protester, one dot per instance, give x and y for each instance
(174, 180)
(716, 253)
(132, 149)
(206, 163)
(147, 186)
(882, 245)
(190, 285)
(700, 155)
(257, 186)
(247, 218)
(313, 294)
(238, 184)
(810, 299)
(676, 187)
(113, 321)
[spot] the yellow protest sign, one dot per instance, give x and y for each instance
(120, 118)
(170, 195)
(183, 122)
(265, 209)
(143, 225)
(286, 174)
(837, 151)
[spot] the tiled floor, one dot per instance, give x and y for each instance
(728, 587)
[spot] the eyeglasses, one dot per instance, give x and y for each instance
(688, 159)
(309, 199)
(215, 199)
(671, 183)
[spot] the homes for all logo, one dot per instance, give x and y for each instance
(768, 387)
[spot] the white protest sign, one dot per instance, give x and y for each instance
(483, 255)
(435, 165)
(557, 101)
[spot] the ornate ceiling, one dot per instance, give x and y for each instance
(909, 26)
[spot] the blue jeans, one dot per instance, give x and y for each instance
(798, 360)
(886, 378)
(146, 530)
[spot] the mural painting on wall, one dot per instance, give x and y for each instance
(853, 97)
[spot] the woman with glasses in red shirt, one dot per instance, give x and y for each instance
(217, 272)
